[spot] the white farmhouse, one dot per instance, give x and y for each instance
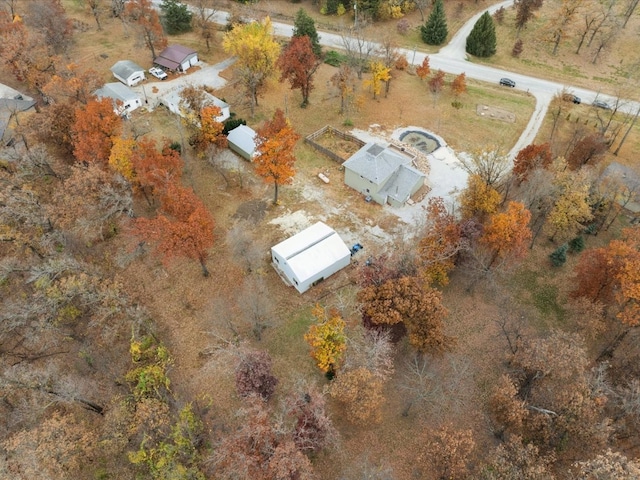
(124, 99)
(128, 72)
(310, 256)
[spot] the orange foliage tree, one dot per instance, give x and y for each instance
(298, 63)
(183, 228)
(407, 300)
(530, 158)
(210, 131)
(94, 131)
(145, 16)
(507, 234)
(423, 70)
(459, 85)
(441, 243)
(611, 274)
(276, 141)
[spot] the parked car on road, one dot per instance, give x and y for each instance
(570, 97)
(601, 104)
(507, 82)
(158, 73)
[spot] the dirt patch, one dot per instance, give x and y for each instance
(495, 113)
(252, 211)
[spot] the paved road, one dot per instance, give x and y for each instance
(453, 59)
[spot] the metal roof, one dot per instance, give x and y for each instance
(126, 68)
(312, 250)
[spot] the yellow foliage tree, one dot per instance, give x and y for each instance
(478, 199)
(257, 53)
(327, 339)
(120, 158)
(379, 73)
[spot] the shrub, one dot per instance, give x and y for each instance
(498, 16)
(347, 122)
(517, 48)
(176, 146)
(334, 58)
(232, 123)
(577, 244)
(559, 255)
(341, 10)
(402, 62)
(253, 375)
(457, 104)
(403, 26)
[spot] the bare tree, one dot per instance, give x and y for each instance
(257, 305)
(205, 12)
(490, 164)
(96, 8)
(246, 249)
(358, 50)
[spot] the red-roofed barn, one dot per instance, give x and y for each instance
(177, 58)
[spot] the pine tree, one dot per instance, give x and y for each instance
(559, 255)
(577, 244)
(305, 25)
(434, 31)
(481, 42)
(176, 17)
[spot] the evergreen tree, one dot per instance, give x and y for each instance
(434, 31)
(305, 25)
(176, 17)
(481, 42)
(577, 244)
(559, 255)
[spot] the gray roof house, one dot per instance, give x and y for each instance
(128, 72)
(242, 140)
(177, 58)
(383, 173)
(124, 99)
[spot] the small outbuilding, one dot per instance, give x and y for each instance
(128, 72)
(383, 173)
(242, 140)
(173, 101)
(177, 58)
(310, 256)
(124, 99)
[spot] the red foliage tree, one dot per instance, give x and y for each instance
(531, 157)
(183, 228)
(423, 70)
(589, 149)
(155, 170)
(96, 125)
(298, 63)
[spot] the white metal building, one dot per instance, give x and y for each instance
(242, 140)
(310, 256)
(128, 72)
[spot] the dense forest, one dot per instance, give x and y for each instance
(143, 333)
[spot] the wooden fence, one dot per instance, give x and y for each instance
(328, 129)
